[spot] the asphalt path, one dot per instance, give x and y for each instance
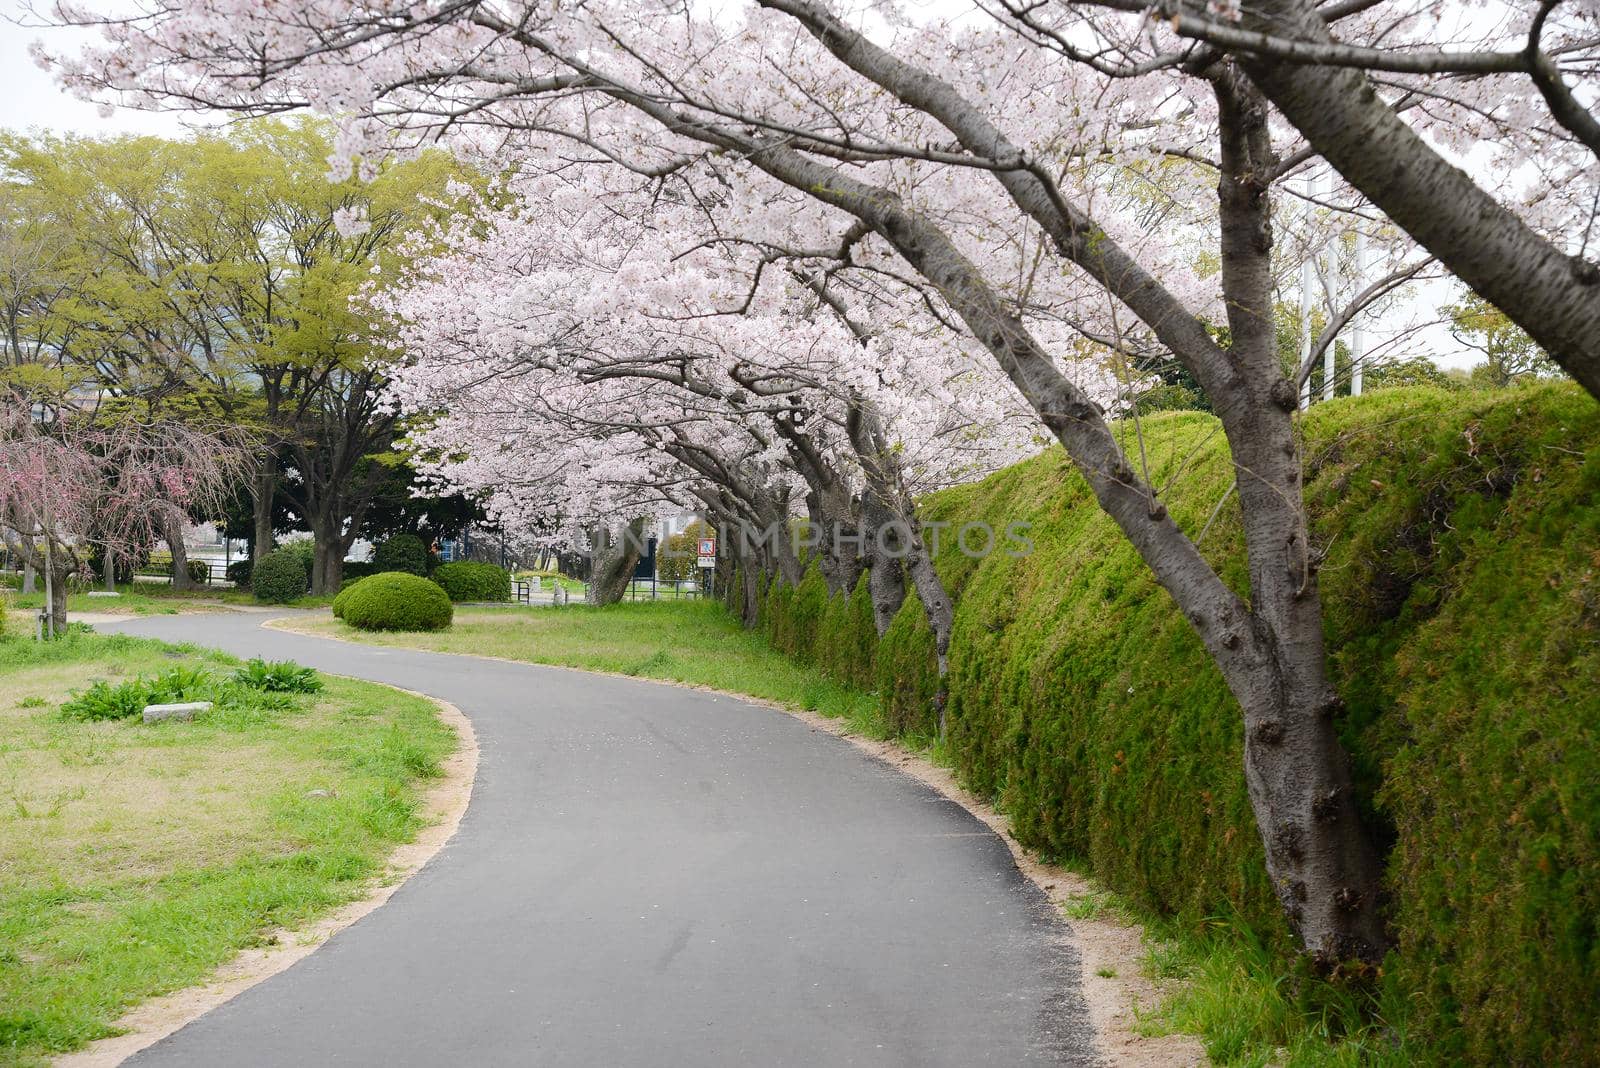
(652, 875)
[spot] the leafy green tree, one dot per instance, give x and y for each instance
(212, 279)
(1510, 355)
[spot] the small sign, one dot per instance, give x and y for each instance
(708, 547)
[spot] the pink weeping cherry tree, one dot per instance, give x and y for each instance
(69, 485)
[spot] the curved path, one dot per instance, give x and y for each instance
(651, 875)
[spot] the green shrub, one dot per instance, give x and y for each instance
(279, 676)
(467, 580)
(305, 549)
(359, 569)
(403, 552)
(239, 573)
(396, 600)
(280, 577)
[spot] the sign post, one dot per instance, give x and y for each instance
(707, 559)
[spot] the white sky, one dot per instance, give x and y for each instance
(30, 99)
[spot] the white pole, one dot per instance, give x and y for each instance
(1358, 333)
(1308, 286)
(1308, 278)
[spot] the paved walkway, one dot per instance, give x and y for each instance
(649, 875)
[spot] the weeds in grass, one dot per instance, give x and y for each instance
(279, 676)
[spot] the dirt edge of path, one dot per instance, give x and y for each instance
(442, 806)
(1104, 944)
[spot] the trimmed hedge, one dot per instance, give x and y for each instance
(395, 600)
(1462, 606)
(467, 580)
(280, 577)
(403, 552)
(239, 572)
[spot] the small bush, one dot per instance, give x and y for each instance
(305, 549)
(469, 581)
(239, 572)
(279, 676)
(359, 569)
(200, 571)
(281, 577)
(396, 600)
(403, 552)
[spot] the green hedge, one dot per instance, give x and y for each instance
(395, 600)
(466, 580)
(1462, 596)
(280, 577)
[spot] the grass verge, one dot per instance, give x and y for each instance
(135, 859)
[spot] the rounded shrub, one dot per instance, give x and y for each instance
(467, 580)
(403, 552)
(280, 577)
(395, 600)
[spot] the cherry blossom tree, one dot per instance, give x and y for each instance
(70, 484)
(1004, 182)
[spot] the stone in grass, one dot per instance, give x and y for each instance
(157, 713)
(104, 593)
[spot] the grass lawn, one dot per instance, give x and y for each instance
(141, 599)
(696, 642)
(134, 859)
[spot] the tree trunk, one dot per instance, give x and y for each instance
(30, 577)
(327, 558)
(752, 593)
(263, 489)
(173, 529)
(108, 568)
(614, 558)
(1319, 856)
(58, 599)
(1553, 296)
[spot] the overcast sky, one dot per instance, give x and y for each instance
(30, 98)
